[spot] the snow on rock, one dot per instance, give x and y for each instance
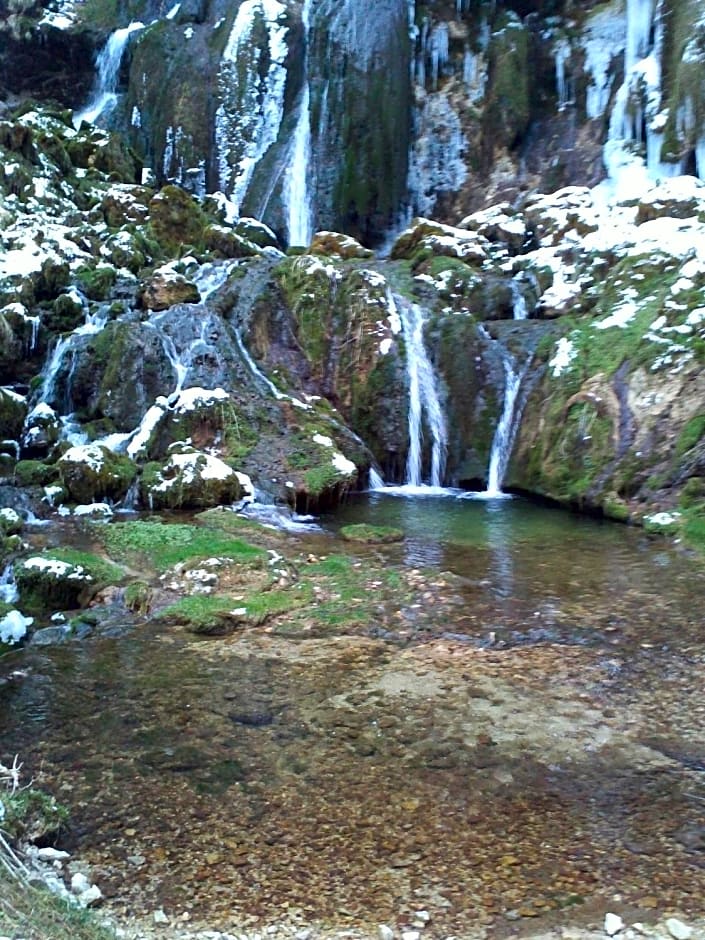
(92, 455)
(190, 399)
(565, 354)
(13, 627)
(56, 569)
(343, 465)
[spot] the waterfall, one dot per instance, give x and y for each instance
(297, 194)
(376, 480)
(505, 432)
(109, 60)
(424, 400)
(8, 586)
(508, 424)
(561, 55)
(255, 371)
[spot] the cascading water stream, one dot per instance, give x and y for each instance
(424, 400)
(109, 60)
(297, 191)
(508, 424)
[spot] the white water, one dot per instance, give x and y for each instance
(255, 369)
(8, 586)
(508, 424)
(105, 95)
(297, 189)
(424, 401)
(376, 480)
(561, 55)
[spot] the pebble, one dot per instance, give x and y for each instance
(384, 932)
(678, 930)
(79, 883)
(159, 917)
(613, 924)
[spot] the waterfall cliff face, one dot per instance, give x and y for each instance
(355, 115)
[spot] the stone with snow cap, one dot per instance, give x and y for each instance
(190, 479)
(164, 289)
(432, 238)
(92, 473)
(333, 243)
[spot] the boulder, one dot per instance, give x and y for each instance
(333, 243)
(91, 473)
(190, 479)
(47, 584)
(425, 238)
(166, 288)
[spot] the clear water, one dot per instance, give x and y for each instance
(523, 738)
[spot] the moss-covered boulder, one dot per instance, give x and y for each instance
(334, 243)
(176, 219)
(189, 479)
(425, 238)
(42, 430)
(225, 242)
(13, 411)
(46, 584)
(165, 288)
(92, 473)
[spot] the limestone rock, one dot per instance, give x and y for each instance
(189, 479)
(333, 243)
(91, 473)
(164, 289)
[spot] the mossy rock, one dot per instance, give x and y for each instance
(65, 315)
(189, 480)
(35, 473)
(47, 584)
(92, 473)
(10, 522)
(13, 410)
(223, 242)
(97, 281)
(165, 289)
(344, 246)
(371, 534)
(31, 815)
(176, 219)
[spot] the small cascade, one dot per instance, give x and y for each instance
(508, 424)
(561, 55)
(109, 60)
(8, 586)
(255, 370)
(297, 190)
(505, 432)
(424, 401)
(376, 480)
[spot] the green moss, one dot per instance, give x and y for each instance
(692, 493)
(96, 281)
(138, 597)
(100, 569)
(215, 615)
(163, 545)
(31, 814)
(691, 434)
(363, 532)
(35, 473)
(321, 478)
